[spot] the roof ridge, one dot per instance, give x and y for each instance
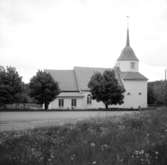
(58, 69)
(88, 67)
(76, 81)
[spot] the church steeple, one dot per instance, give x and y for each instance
(127, 61)
(127, 53)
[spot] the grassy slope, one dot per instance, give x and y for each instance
(137, 140)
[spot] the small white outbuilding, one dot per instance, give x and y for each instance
(75, 93)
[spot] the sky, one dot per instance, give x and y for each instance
(61, 34)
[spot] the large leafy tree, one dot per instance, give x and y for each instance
(11, 86)
(106, 88)
(43, 88)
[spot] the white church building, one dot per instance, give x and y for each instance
(75, 93)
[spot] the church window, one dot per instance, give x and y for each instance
(61, 102)
(74, 102)
(128, 93)
(89, 99)
(132, 65)
(140, 93)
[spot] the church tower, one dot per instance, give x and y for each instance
(127, 61)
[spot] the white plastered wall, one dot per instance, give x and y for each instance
(94, 104)
(81, 103)
(67, 103)
(134, 99)
(125, 66)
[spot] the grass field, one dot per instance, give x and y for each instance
(25, 120)
(139, 139)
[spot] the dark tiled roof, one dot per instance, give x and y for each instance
(78, 78)
(65, 78)
(83, 75)
(127, 54)
(133, 76)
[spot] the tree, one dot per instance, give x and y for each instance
(165, 92)
(11, 86)
(43, 88)
(157, 93)
(106, 88)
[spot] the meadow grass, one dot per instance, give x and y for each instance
(140, 139)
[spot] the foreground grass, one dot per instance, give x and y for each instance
(137, 140)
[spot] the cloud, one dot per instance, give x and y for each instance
(65, 33)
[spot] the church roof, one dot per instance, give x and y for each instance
(78, 78)
(70, 94)
(127, 53)
(133, 76)
(65, 78)
(84, 74)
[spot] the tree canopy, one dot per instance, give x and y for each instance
(43, 88)
(106, 88)
(11, 86)
(157, 93)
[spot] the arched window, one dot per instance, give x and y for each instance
(89, 99)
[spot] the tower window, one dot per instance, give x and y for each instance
(128, 93)
(132, 65)
(61, 102)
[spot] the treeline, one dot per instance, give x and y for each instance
(42, 89)
(157, 93)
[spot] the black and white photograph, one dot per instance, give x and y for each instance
(83, 82)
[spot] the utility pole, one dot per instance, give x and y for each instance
(165, 74)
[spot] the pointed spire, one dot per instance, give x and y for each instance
(127, 39)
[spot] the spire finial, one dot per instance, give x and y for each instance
(127, 39)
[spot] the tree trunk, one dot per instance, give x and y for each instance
(46, 106)
(106, 105)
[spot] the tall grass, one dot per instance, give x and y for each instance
(137, 140)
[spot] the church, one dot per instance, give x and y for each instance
(75, 93)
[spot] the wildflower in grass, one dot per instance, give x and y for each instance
(94, 162)
(52, 155)
(72, 156)
(104, 147)
(92, 144)
(156, 154)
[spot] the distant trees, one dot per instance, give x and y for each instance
(106, 88)
(11, 86)
(165, 93)
(157, 93)
(43, 88)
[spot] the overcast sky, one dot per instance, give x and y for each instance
(61, 34)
